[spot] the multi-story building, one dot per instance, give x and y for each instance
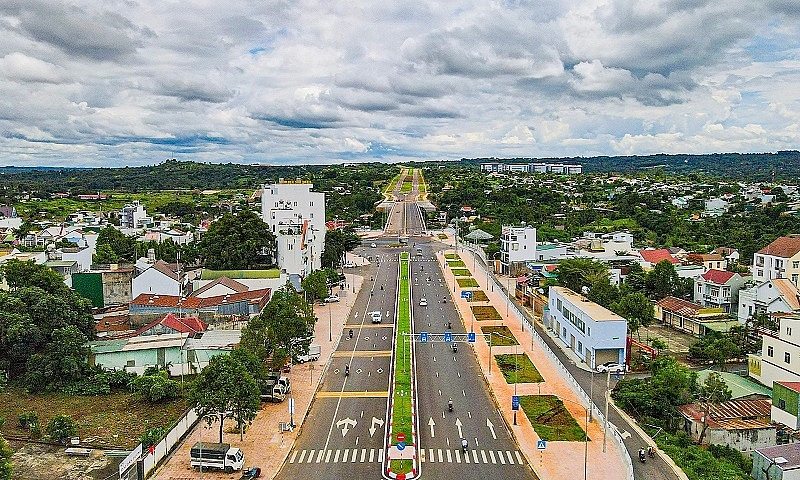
(593, 332)
(779, 259)
(719, 289)
(296, 216)
(134, 215)
(770, 297)
(779, 360)
(517, 246)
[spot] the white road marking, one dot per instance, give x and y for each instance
(294, 454)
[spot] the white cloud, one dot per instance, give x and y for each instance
(17, 66)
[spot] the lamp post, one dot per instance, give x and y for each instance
(494, 259)
(585, 435)
(330, 323)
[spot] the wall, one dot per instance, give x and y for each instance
(89, 285)
(117, 286)
(153, 281)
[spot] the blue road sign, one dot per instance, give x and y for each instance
(471, 337)
(401, 445)
(466, 294)
(514, 402)
(448, 337)
(541, 444)
(423, 337)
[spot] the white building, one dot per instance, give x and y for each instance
(779, 259)
(296, 216)
(593, 332)
(780, 354)
(133, 215)
(159, 278)
(517, 246)
(719, 289)
(774, 296)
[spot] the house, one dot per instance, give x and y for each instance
(777, 462)
(719, 289)
(243, 305)
(104, 287)
(779, 359)
(517, 246)
(779, 259)
(786, 403)
(550, 251)
(741, 424)
(220, 286)
(770, 297)
(170, 323)
(731, 256)
(593, 332)
(159, 278)
(741, 388)
(707, 260)
(650, 257)
(252, 279)
(714, 207)
(691, 317)
(65, 267)
(134, 216)
(296, 216)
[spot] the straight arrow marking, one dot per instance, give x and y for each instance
(431, 423)
(491, 428)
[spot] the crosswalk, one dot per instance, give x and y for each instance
(429, 455)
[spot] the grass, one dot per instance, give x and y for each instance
(504, 338)
(115, 420)
(456, 264)
(407, 186)
(402, 413)
(451, 256)
(467, 282)
(479, 296)
(442, 236)
(461, 272)
(486, 313)
(550, 419)
(246, 274)
(518, 368)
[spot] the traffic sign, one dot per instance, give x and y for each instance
(401, 437)
(514, 402)
(471, 337)
(423, 337)
(541, 444)
(401, 446)
(448, 337)
(466, 294)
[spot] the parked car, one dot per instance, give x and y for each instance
(612, 367)
(332, 298)
(376, 317)
(423, 302)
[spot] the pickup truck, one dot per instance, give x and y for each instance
(219, 456)
(314, 352)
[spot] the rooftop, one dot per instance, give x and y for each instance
(597, 312)
(784, 247)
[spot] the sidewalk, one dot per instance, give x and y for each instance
(560, 460)
(263, 444)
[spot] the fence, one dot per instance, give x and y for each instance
(163, 448)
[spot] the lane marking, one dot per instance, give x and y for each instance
(302, 454)
(294, 454)
(363, 353)
(502, 459)
(510, 458)
(344, 454)
(352, 394)
(310, 456)
(519, 457)
(483, 455)
(491, 454)
(336, 457)
(449, 457)
(440, 455)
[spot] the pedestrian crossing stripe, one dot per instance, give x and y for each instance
(430, 455)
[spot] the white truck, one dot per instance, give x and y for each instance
(314, 352)
(277, 388)
(217, 456)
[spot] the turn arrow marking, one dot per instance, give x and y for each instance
(346, 424)
(372, 427)
(459, 425)
(491, 428)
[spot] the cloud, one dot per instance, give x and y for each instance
(17, 66)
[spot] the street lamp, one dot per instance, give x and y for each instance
(494, 259)
(585, 434)
(330, 323)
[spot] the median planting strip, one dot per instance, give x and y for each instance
(401, 456)
(551, 420)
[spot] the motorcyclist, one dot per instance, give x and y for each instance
(642, 457)
(450, 405)
(651, 451)
(464, 444)
(346, 370)
(350, 333)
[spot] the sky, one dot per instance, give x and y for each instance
(134, 82)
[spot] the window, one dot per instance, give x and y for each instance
(788, 330)
(760, 273)
(580, 347)
(130, 363)
(769, 351)
(795, 264)
(588, 331)
(782, 404)
(515, 246)
(787, 357)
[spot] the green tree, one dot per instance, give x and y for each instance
(337, 242)
(234, 242)
(122, 245)
(712, 392)
(662, 280)
(104, 255)
(226, 385)
(316, 285)
(602, 292)
(636, 308)
(62, 363)
(255, 338)
(635, 279)
(60, 428)
(576, 273)
(290, 322)
(6, 468)
(28, 274)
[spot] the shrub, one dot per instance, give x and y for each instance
(36, 431)
(61, 427)
(27, 420)
(152, 436)
(156, 388)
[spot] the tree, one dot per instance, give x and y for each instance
(636, 308)
(713, 391)
(6, 469)
(104, 255)
(122, 245)
(662, 280)
(602, 292)
(316, 285)
(576, 273)
(233, 242)
(337, 242)
(254, 338)
(635, 279)
(62, 363)
(290, 321)
(225, 388)
(28, 274)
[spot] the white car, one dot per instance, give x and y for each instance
(376, 317)
(373, 245)
(612, 367)
(332, 298)
(349, 265)
(423, 302)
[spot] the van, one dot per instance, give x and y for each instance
(419, 251)
(376, 317)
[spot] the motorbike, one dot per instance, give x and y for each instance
(450, 405)
(347, 370)
(642, 457)
(350, 333)
(464, 445)
(455, 347)
(449, 325)
(651, 452)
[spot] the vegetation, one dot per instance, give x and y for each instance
(501, 335)
(60, 428)
(451, 256)
(717, 462)
(235, 242)
(461, 272)
(518, 368)
(486, 313)
(156, 387)
(337, 242)
(456, 264)
(467, 282)
(550, 419)
(402, 410)
(478, 296)
(6, 468)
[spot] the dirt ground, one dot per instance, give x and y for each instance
(34, 461)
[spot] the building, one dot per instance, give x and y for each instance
(550, 251)
(707, 260)
(517, 246)
(133, 215)
(786, 403)
(296, 216)
(770, 297)
(650, 257)
(780, 354)
(777, 462)
(593, 332)
(744, 425)
(719, 289)
(741, 387)
(241, 305)
(779, 259)
(104, 287)
(159, 278)
(691, 317)
(715, 207)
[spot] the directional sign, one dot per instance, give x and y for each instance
(448, 337)
(401, 446)
(346, 424)
(541, 444)
(466, 294)
(514, 402)
(471, 337)
(372, 427)
(432, 424)
(423, 337)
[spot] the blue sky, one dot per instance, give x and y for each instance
(134, 82)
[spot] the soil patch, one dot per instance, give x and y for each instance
(550, 419)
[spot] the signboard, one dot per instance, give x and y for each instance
(514, 402)
(541, 444)
(471, 337)
(466, 294)
(401, 437)
(130, 460)
(401, 446)
(423, 337)
(448, 337)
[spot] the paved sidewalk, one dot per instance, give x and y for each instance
(263, 443)
(560, 460)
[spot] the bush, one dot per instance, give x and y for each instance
(156, 388)
(36, 431)
(152, 436)
(60, 428)
(101, 383)
(28, 420)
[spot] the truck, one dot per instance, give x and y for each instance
(276, 388)
(314, 352)
(217, 456)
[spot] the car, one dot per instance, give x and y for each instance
(423, 302)
(332, 298)
(349, 265)
(612, 367)
(376, 317)
(373, 245)
(251, 473)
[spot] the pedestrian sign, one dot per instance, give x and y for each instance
(471, 337)
(514, 402)
(541, 444)
(423, 337)
(448, 337)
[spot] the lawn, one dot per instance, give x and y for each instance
(461, 272)
(467, 282)
(550, 419)
(115, 420)
(479, 296)
(403, 407)
(518, 368)
(407, 186)
(486, 313)
(456, 264)
(451, 256)
(504, 337)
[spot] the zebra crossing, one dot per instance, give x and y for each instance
(429, 455)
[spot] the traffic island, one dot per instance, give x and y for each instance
(486, 313)
(501, 335)
(518, 368)
(551, 420)
(401, 458)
